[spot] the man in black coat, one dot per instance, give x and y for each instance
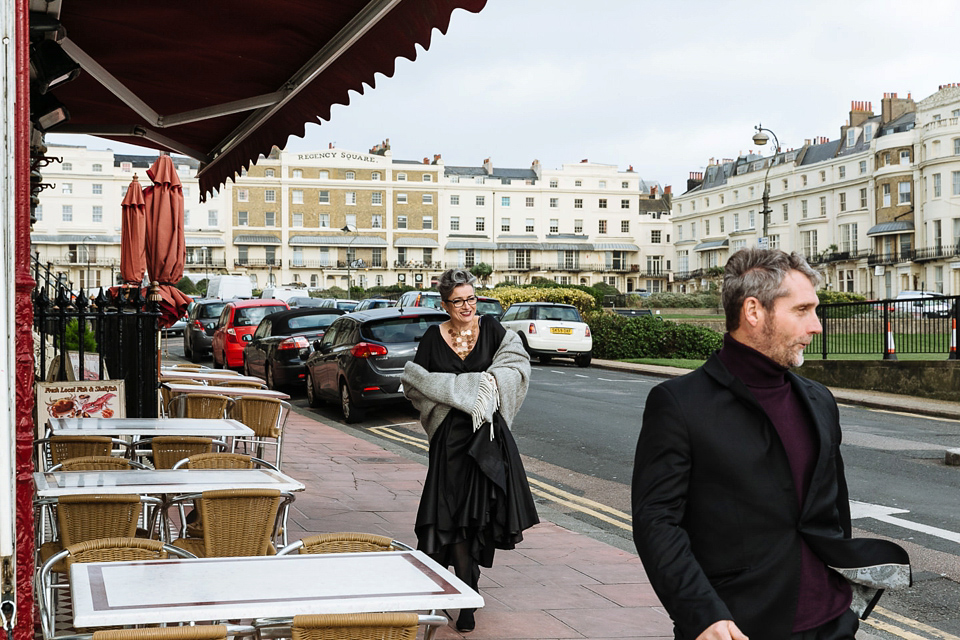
(740, 508)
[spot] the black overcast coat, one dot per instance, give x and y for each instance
(715, 515)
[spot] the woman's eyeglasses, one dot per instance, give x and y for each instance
(459, 302)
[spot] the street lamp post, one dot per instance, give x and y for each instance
(205, 256)
(86, 252)
(349, 229)
(760, 139)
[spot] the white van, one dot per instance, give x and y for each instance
(282, 293)
(923, 303)
(228, 287)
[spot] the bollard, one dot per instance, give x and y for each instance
(953, 340)
(890, 353)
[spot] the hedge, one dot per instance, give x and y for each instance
(616, 337)
(583, 301)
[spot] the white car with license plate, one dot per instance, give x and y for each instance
(550, 330)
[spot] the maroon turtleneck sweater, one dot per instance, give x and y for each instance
(823, 594)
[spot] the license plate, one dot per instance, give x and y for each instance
(565, 332)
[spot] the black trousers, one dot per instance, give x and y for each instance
(843, 627)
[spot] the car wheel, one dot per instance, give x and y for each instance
(545, 359)
(313, 399)
(583, 360)
(268, 372)
(217, 365)
(351, 412)
(186, 349)
(246, 368)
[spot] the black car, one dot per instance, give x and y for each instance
(489, 307)
(359, 361)
(201, 322)
(278, 348)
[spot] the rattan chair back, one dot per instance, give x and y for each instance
(348, 542)
(199, 405)
(66, 447)
(260, 414)
(169, 450)
(166, 396)
(88, 517)
(236, 522)
(116, 550)
(247, 384)
(95, 463)
(220, 461)
(197, 632)
(355, 626)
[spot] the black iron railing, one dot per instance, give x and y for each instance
(124, 327)
(887, 327)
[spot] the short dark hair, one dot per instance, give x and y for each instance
(759, 273)
(453, 278)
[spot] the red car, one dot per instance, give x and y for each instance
(238, 321)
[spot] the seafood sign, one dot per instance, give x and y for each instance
(94, 399)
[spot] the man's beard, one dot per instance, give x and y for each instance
(775, 350)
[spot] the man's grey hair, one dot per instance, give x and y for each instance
(759, 273)
(453, 278)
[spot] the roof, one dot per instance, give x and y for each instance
(713, 244)
(615, 246)
(886, 228)
(281, 319)
(505, 173)
(256, 239)
(223, 82)
(204, 242)
(820, 152)
(414, 241)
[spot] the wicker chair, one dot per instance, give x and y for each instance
(95, 463)
(186, 366)
(197, 632)
(89, 517)
(361, 626)
(220, 460)
(200, 405)
(236, 522)
(345, 542)
(169, 450)
(166, 397)
(101, 550)
(266, 416)
(55, 449)
(248, 384)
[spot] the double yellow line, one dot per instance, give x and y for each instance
(546, 491)
(881, 619)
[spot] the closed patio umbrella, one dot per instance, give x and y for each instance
(133, 257)
(165, 246)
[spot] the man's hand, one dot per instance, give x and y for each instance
(722, 630)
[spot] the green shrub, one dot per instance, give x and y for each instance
(616, 337)
(831, 297)
(582, 300)
(702, 300)
(72, 337)
(186, 285)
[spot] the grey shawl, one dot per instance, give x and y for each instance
(434, 394)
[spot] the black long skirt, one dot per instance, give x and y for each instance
(476, 490)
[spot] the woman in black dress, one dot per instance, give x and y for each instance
(468, 380)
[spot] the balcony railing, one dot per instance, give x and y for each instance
(209, 264)
(890, 257)
(516, 266)
(72, 261)
(937, 252)
(689, 275)
(258, 263)
(413, 264)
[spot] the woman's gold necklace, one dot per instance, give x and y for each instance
(463, 340)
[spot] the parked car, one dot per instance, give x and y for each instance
(303, 301)
(549, 330)
(359, 360)
(374, 303)
(922, 303)
(229, 287)
(238, 321)
(176, 329)
(429, 299)
(281, 344)
(338, 303)
(201, 321)
(489, 307)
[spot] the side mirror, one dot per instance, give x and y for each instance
(248, 338)
(316, 345)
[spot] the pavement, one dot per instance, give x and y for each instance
(565, 580)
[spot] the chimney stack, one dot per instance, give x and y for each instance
(668, 189)
(488, 166)
(584, 161)
(893, 107)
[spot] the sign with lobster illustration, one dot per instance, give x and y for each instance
(88, 399)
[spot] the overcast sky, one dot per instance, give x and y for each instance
(662, 85)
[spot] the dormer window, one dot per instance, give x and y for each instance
(851, 137)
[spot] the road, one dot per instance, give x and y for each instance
(578, 430)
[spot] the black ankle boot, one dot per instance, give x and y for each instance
(466, 622)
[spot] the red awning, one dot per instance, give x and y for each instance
(279, 64)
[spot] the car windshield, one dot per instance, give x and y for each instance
(433, 302)
(251, 316)
(211, 310)
(394, 330)
(489, 306)
(305, 323)
(564, 314)
(343, 305)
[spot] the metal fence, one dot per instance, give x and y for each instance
(888, 327)
(123, 326)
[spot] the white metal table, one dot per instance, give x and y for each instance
(159, 591)
(149, 427)
(225, 391)
(210, 377)
(160, 481)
